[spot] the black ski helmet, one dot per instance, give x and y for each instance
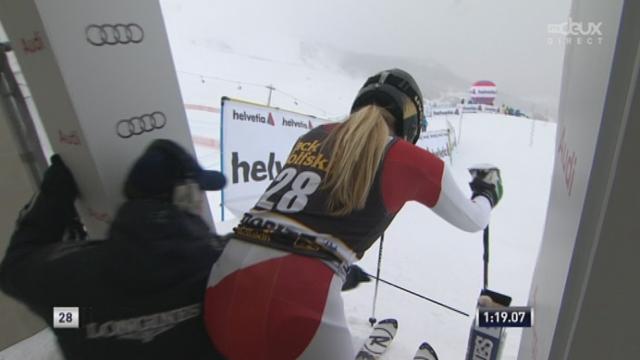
(392, 89)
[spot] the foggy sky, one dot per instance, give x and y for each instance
(501, 40)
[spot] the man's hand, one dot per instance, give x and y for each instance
(58, 180)
(59, 192)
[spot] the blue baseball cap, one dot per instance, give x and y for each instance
(162, 166)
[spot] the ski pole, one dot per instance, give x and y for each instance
(372, 319)
(485, 256)
(418, 295)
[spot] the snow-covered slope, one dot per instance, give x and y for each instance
(423, 253)
(426, 255)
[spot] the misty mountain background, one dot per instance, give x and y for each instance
(333, 46)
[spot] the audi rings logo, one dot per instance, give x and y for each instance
(139, 125)
(106, 34)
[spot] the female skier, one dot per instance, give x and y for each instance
(274, 294)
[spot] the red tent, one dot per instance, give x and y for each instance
(483, 92)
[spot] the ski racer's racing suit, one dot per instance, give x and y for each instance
(275, 291)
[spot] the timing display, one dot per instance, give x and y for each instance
(517, 316)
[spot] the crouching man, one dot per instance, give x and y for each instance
(140, 291)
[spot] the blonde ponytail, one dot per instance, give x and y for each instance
(358, 146)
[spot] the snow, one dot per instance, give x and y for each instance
(421, 252)
(426, 255)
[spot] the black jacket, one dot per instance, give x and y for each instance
(140, 292)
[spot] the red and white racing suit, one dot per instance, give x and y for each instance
(268, 302)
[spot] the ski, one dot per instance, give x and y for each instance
(379, 340)
(425, 352)
(486, 343)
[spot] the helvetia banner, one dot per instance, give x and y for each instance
(255, 143)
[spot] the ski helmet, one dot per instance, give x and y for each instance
(393, 89)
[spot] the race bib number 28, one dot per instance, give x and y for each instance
(300, 186)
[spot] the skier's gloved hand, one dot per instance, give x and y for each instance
(486, 182)
(58, 180)
(355, 276)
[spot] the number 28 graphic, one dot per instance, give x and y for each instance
(66, 317)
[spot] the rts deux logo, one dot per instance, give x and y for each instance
(256, 118)
(575, 32)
